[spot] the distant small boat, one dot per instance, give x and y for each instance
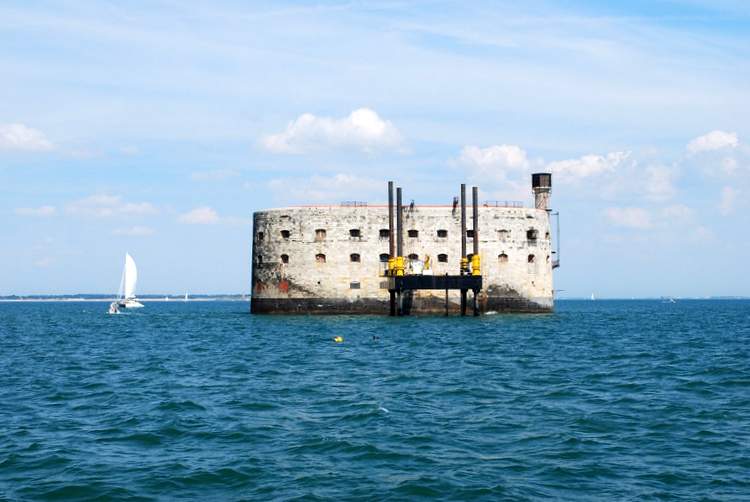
(186, 296)
(593, 297)
(126, 295)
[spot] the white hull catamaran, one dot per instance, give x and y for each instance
(126, 296)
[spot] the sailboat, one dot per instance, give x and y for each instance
(593, 297)
(126, 296)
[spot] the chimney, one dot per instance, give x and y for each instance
(541, 184)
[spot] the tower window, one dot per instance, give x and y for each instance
(443, 258)
(354, 285)
(354, 232)
(260, 236)
(260, 259)
(285, 258)
(531, 235)
(413, 233)
(531, 258)
(320, 234)
(384, 257)
(502, 258)
(413, 256)
(470, 234)
(285, 234)
(320, 258)
(384, 233)
(442, 234)
(354, 257)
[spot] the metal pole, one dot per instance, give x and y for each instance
(391, 237)
(399, 224)
(463, 223)
(475, 217)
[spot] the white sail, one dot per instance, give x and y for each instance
(131, 277)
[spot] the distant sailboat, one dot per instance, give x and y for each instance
(593, 297)
(126, 295)
(186, 296)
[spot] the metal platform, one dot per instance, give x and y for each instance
(399, 285)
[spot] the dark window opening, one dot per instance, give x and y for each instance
(502, 258)
(443, 258)
(413, 233)
(260, 236)
(260, 259)
(546, 235)
(320, 258)
(354, 232)
(442, 233)
(285, 258)
(384, 233)
(285, 234)
(320, 234)
(470, 234)
(531, 258)
(384, 257)
(413, 256)
(531, 235)
(354, 285)
(354, 257)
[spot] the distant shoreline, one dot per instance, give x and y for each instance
(246, 298)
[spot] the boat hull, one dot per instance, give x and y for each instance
(130, 304)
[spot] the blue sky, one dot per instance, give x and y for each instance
(159, 127)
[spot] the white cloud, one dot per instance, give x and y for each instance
(676, 212)
(43, 262)
(588, 165)
(631, 217)
(363, 129)
(21, 137)
(136, 231)
(728, 199)
(103, 205)
(322, 188)
(715, 140)
(40, 211)
(493, 161)
(660, 182)
(203, 215)
(215, 175)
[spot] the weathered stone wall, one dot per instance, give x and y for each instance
(517, 270)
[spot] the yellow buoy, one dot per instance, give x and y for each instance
(338, 339)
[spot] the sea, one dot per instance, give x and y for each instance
(601, 400)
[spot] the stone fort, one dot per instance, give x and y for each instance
(335, 259)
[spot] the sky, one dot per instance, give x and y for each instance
(157, 128)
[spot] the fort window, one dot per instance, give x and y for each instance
(384, 257)
(503, 235)
(260, 236)
(384, 233)
(413, 233)
(547, 258)
(470, 234)
(260, 259)
(414, 256)
(285, 258)
(285, 234)
(354, 285)
(354, 257)
(531, 236)
(502, 258)
(531, 258)
(354, 232)
(320, 234)
(320, 258)
(546, 235)
(442, 233)
(443, 258)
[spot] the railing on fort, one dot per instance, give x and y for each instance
(502, 203)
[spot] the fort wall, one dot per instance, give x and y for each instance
(331, 259)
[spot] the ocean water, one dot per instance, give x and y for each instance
(605, 400)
